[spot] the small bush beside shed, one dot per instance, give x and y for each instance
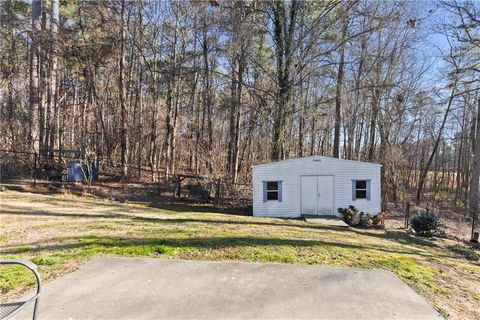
(355, 218)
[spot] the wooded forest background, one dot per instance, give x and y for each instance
(213, 87)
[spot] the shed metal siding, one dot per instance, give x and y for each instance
(290, 172)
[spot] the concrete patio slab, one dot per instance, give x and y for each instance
(331, 221)
(130, 288)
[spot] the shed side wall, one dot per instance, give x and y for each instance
(290, 173)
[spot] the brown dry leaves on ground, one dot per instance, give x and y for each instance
(456, 225)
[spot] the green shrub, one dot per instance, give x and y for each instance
(376, 221)
(365, 220)
(426, 223)
(353, 217)
(356, 220)
(349, 215)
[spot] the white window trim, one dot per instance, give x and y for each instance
(367, 190)
(278, 191)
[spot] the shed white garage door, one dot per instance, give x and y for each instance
(317, 195)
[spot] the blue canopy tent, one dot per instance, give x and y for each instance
(77, 171)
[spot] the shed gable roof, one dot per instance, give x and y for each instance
(314, 158)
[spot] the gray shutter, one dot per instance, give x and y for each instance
(264, 191)
(279, 191)
(368, 190)
(354, 194)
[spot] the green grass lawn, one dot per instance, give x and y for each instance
(59, 233)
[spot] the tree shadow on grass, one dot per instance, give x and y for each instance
(254, 222)
(401, 237)
(202, 208)
(161, 203)
(37, 212)
(107, 244)
(167, 220)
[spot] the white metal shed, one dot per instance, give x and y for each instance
(315, 186)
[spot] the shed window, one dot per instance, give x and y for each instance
(272, 190)
(360, 189)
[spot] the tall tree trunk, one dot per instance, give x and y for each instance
(9, 75)
(475, 170)
(459, 161)
(301, 125)
(232, 145)
(207, 101)
(172, 104)
(284, 29)
(169, 127)
(34, 69)
(373, 124)
(235, 47)
(235, 154)
(153, 147)
(353, 142)
(43, 88)
(338, 92)
(52, 97)
(425, 170)
(173, 135)
(376, 97)
(122, 95)
(383, 159)
(312, 137)
(234, 115)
